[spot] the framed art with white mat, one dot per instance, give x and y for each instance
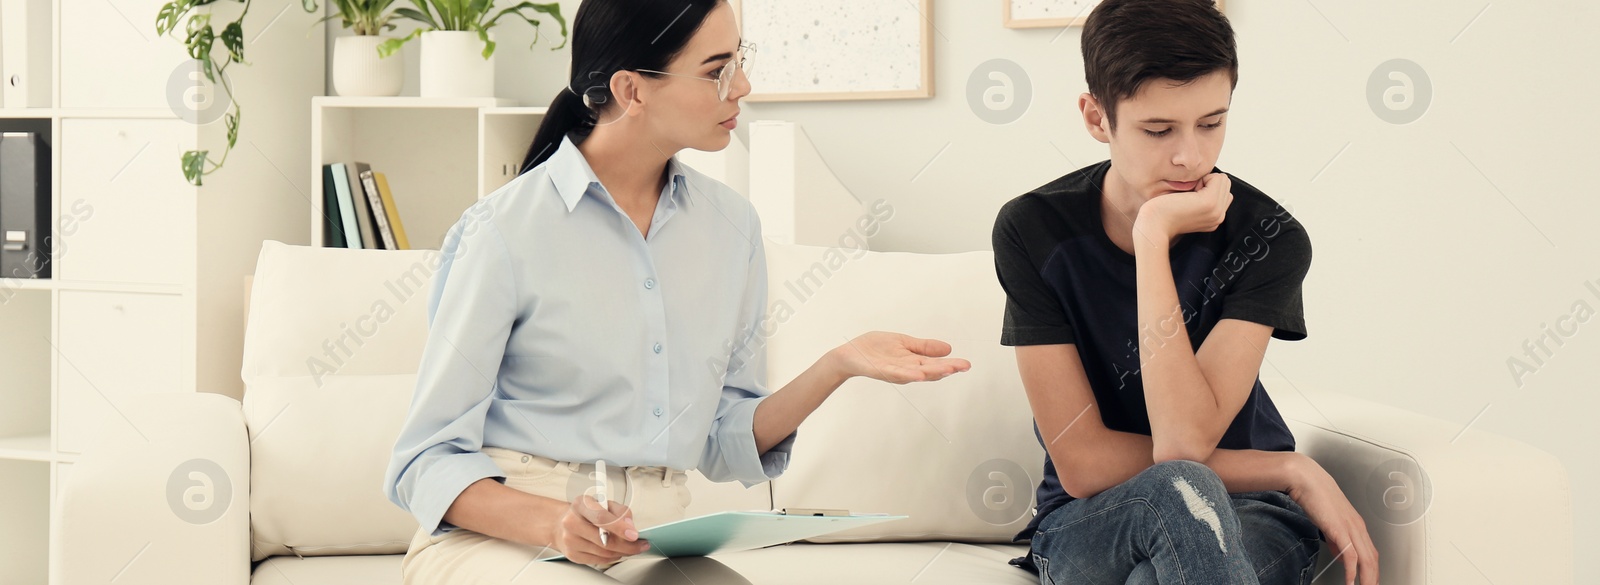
(822, 50)
(1050, 13)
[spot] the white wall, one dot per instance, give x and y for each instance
(1441, 245)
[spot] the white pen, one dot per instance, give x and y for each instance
(600, 492)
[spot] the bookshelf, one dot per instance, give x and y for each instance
(440, 154)
(148, 271)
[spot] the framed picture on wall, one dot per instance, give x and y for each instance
(1050, 13)
(818, 50)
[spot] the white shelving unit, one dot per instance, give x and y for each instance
(148, 271)
(440, 154)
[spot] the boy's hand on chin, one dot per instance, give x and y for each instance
(1174, 214)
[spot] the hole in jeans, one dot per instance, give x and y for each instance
(1201, 509)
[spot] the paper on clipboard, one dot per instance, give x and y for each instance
(740, 531)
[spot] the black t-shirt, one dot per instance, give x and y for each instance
(1066, 282)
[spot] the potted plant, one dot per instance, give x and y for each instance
(358, 68)
(200, 38)
(457, 47)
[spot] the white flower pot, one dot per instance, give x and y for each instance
(453, 65)
(358, 70)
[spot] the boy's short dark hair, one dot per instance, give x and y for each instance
(1129, 42)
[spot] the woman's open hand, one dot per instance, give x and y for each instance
(897, 358)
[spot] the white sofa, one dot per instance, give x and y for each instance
(286, 487)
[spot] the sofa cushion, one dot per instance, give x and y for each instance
(317, 312)
(332, 345)
(317, 458)
(331, 350)
(348, 570)
(864, 564)
(841, 564)
(959, 456)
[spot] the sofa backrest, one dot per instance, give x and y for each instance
(332, 344)
(334, 337)
(958, 456)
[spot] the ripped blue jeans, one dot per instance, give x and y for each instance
(1174, 523)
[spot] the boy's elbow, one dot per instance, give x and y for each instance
(1079, 478)
(1078, 489)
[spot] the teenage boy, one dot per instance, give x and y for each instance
(1141, 294)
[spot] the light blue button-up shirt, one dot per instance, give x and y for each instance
(556, 328)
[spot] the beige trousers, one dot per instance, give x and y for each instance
(656, 495)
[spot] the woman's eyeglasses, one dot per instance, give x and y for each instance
(724, 79)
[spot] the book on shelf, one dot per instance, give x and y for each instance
(375, 201)
(394, 212)
(332, 223)
(360, 211)
(369, 232)
(347, 210)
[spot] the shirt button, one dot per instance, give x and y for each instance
(657, 348)
(658, 411)
(649, 283)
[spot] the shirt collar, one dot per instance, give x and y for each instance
(573, 176)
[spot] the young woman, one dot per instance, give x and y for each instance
(606, 305)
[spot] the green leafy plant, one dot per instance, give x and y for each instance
(200, 36)
(366, 17)
(472, 16)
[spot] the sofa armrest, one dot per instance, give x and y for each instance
(166, 502)
(1443, 504)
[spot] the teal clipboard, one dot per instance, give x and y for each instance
(739, 531)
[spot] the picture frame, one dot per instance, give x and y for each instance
(1050, 13)
(848, 59)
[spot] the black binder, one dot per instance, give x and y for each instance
(25, 236)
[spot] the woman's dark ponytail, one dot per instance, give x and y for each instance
(610, 36)
(567, 113)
